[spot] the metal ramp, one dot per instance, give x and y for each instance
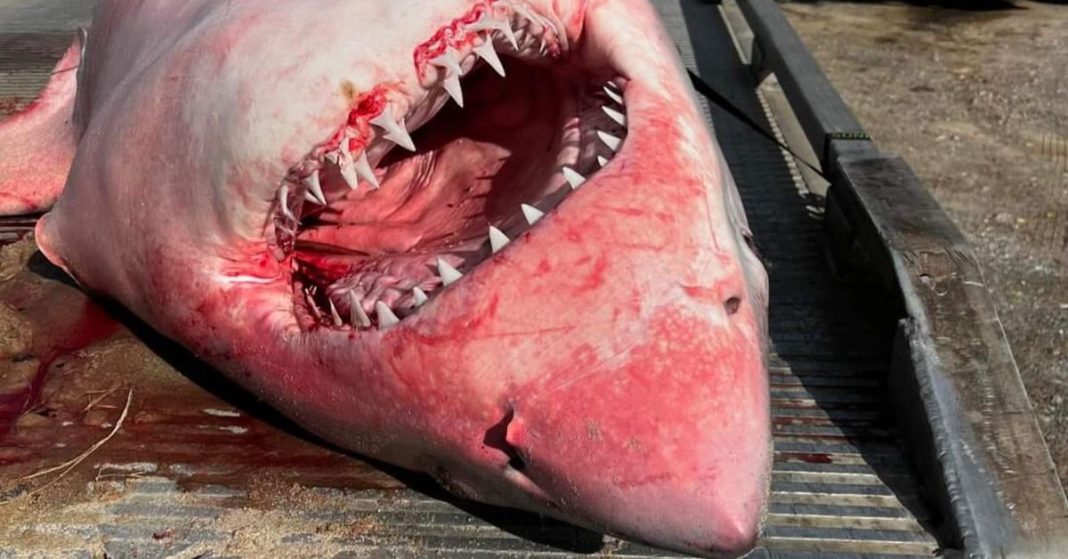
(202, 470)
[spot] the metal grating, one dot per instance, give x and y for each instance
(203, 471)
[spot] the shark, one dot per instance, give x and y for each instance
(488, 240)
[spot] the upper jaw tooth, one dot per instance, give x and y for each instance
(487, 23)
(347, 168)
(364, 171)
(395, 129)
(315, 188)
(352, 170)
(449, 61)
(486, 52)
(283, 200)
(453, 71)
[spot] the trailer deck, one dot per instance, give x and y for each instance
(198, 468)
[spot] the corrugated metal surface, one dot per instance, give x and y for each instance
(200, 470)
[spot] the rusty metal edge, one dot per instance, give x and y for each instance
(953, 380)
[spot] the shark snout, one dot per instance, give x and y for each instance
(645, 452)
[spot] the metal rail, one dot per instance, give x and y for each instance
(963, 406)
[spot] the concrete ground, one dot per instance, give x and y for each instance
(977, 103)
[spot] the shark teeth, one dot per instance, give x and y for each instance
(364, 171)
(334, 314)
(613, 142)
(449, 275)
(315, 189)
(352, 170)
(385, 315)
(486, 52)
(453, 73)
(395, 130)
(283, 202)
(503, 26)
(618, 117)
(573, 178)
(357, 315)
(419, 297)
(531, 214)
(363, 302)
(613, 95)
(498, 240)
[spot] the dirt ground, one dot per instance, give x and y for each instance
(977, 102)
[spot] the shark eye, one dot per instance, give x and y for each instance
(415, 191)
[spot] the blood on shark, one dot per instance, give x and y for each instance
(492, 241)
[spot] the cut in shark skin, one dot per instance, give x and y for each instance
(550, 304)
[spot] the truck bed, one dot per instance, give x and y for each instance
(199, 468)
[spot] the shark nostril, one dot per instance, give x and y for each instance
(517, 463)
(497, 438)
(732, 305)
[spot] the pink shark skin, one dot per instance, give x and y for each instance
(38, 143)
(607, 367)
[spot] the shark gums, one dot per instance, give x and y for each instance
(491, 241)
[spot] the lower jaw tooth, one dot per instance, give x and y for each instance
(311, 305)
(357, 315)
(334, 315)
(602, 160)
(348, 172)
(420, 296)
(573, 177)
(613, 95)
(449, 275)
(498, 240)
(531, 214)
(315, 188)
(618, 117)
(283, 201)
(609, 140)
(386, 318)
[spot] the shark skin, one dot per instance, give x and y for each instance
(39, 142)
(245, 181)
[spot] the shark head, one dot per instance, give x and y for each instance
(488, 240)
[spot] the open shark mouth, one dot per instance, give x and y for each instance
(412, 193)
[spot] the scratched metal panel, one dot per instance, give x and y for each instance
(199, 469)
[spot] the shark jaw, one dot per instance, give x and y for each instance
(413, 191)
(543, 298)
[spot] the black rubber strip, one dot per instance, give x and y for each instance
(712, 95)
